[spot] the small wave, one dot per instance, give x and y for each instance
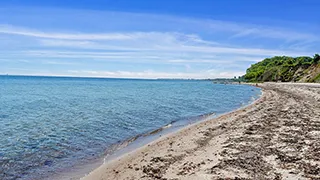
(3, 116)
(121, 145)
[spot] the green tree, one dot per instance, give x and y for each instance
(316, 59)
(280, 68)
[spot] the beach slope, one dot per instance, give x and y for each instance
(277, 137)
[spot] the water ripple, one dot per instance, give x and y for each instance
(50, 124)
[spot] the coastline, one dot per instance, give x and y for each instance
(75, 145)
(118, 150)
(261, 140)
(131, 146)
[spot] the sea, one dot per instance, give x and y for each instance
(51, 124)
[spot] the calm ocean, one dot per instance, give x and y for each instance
(53, 123)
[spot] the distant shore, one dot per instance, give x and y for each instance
(276, 137)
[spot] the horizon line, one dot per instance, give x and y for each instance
(101, 77)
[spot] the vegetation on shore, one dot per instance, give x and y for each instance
(228, 80)
(285, 69)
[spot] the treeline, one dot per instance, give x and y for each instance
(227, 80)
(285, 69)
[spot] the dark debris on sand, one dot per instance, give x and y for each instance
(288, 132)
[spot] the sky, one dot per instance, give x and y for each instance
(152, 39)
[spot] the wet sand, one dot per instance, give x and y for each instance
(277, 137)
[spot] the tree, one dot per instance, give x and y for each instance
(316, 59)
(281, 68)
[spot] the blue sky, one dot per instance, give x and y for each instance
(152, 39)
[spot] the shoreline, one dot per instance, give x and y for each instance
(130, 145)
(159, 134)
(120, 149)
(257, 141)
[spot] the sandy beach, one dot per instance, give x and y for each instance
(276, 137)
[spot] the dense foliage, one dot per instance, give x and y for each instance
(285, 69)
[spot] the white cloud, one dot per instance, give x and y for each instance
(160, 41)
(147, 74)
(58, 62)
(286, 35)
(150, 74)
(168, 42)
(147, 57)
(8, 29)
(195, 45)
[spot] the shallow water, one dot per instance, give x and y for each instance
(48, 124)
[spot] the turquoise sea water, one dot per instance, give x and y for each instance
(52, 123)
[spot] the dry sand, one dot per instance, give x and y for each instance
(277, 137)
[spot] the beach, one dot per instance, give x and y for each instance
(276, 137)
(67, 134)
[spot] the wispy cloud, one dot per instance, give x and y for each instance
(286, 35)
(8, 29)
(169, 42)
(153, 74)
(131, 44)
